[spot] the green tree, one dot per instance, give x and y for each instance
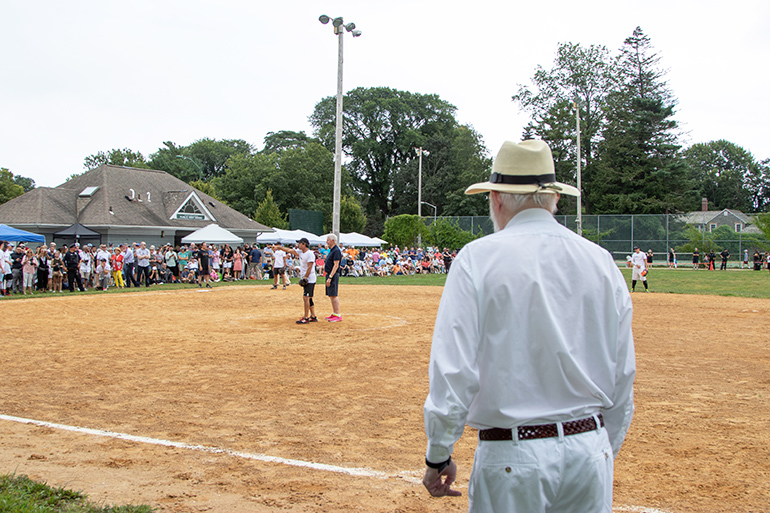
(300, 178)
(206, 188)
(580, 77)
(116, 157)
(268, 213)
(722, 237)
(446, 233)
(457, 159)
(9, 189)
(352, 218)
(382, 126)
(172, 159)
(284, 140)
(639, 168)
(729, 176)
(404, 230)
(202, 160)
(303, 178)
(243, 186)
(762, 221)
(26, 183)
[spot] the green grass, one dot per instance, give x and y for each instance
(734, 282)
(20, 494)
(417, 279)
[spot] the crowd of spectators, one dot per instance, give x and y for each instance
(50, 269)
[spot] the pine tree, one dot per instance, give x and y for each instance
(639, 168)
(268, 213)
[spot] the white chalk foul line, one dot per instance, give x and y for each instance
(360, 472)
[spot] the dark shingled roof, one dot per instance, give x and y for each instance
(157, 195)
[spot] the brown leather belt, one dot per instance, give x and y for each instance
(573, 427)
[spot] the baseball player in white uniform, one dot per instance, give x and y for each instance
(639, 264)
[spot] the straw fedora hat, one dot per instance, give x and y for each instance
(523, 168)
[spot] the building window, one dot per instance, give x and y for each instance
(191, 210)
(712, 227)
(738, 227)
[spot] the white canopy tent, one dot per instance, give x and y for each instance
(289, 237)
(357, 240)
(213, 234)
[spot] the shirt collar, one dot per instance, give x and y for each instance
(530, 215)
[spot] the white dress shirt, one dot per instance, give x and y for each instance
(534, 327)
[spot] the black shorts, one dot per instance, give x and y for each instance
(278, 270)
(308, 290)
(331, 289)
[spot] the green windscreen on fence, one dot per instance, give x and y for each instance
(307, 220)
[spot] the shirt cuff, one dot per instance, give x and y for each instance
(437, 454)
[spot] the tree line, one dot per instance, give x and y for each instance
(631, 158)
(632, 161)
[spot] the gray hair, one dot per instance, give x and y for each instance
(515, 203)
(332, 237)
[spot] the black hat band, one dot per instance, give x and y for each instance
(522, 179)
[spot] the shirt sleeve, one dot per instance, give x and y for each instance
(453, 371)
(617, 418)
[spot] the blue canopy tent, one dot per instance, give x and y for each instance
(14, 234)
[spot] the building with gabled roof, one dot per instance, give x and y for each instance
(125, 205)
(710, 220)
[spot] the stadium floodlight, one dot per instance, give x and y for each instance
(350, 27)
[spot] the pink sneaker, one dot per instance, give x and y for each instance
(329, 317)
(335, 318)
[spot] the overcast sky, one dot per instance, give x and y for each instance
(84, 76)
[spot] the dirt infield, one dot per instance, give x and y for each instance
(228, 369)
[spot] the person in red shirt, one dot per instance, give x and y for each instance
(116, 262)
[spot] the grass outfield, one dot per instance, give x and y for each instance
(735, 282)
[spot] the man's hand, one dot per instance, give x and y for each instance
(439, 487)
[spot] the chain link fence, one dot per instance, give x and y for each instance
(618, 234)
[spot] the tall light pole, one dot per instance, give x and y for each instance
(580, 197)
(420, 152)
(337, 23)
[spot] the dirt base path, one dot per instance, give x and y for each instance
(229, 370)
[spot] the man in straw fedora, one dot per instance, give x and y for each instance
(533, 347)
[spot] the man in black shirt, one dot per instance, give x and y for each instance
(332, 272)
(203, 265)
(72, 262)
(17, 270)
(725, 255)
